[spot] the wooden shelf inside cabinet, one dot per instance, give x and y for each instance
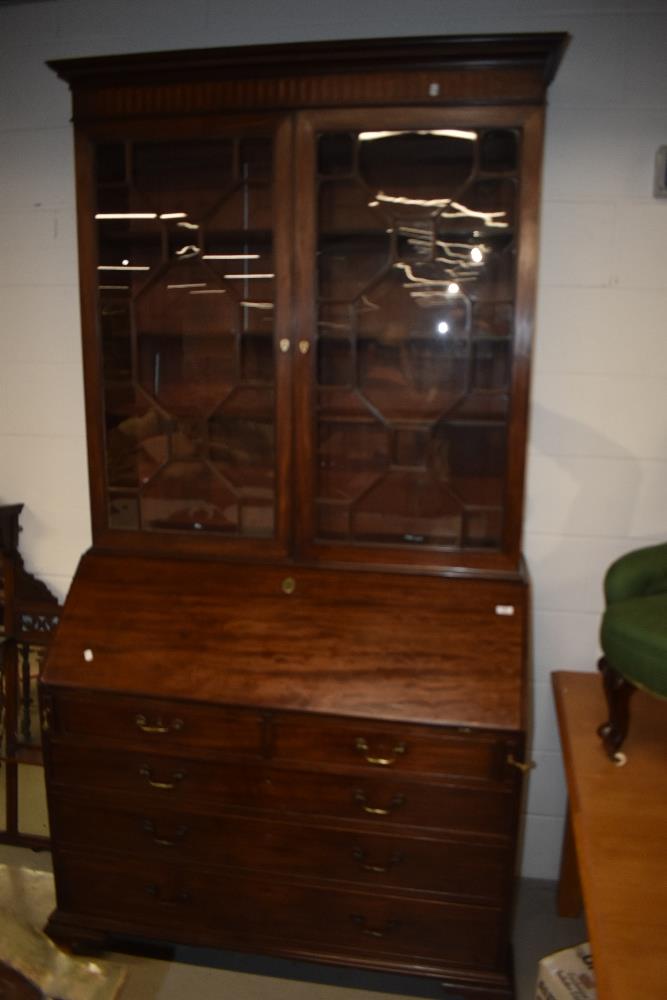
(307, 500)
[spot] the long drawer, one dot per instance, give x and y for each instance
(456, 867)
(216, 787)
(198, 904)
(330, 742)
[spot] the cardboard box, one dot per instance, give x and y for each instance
(566, 975)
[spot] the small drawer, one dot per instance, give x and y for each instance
(371, 745)
(156, 723)
(419, 863)
(233, 911)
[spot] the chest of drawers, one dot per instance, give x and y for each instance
(265, 792)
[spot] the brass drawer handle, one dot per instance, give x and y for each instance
(156, 892)
(178, 834)
(360, 855)
(159, 727)
(375, 932)
(361, 745)
(519, 764)
(362, 799)
(177, 776)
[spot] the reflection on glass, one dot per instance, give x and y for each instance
(416, 275)
(186, 297)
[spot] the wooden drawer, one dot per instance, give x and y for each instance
(156, 723)
(418, 863)
(217, 787)
(204, 906)
(455, 753)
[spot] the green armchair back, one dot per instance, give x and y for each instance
(633, 636)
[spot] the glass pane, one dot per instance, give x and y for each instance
(416, 269)
(499, 150)
(186, 308)
(408, 506)
(136, 438)
(184, 178)
(188, 495)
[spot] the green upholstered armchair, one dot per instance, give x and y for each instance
(633, 636)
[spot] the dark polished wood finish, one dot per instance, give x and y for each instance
(168, 98)
(294, 751)
(468, 69)
(306, 689)
(341, 643)
(618, 692)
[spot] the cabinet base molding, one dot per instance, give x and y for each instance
(83, 937)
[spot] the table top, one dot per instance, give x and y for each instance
(619, 819)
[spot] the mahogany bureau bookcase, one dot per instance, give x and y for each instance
(285, 708)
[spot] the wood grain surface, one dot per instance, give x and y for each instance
(387, 646)
(619, 818)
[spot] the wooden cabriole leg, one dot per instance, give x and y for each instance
(618, 692)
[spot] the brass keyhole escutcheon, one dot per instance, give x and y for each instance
(288, 585)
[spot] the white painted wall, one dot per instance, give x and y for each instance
(598, 449)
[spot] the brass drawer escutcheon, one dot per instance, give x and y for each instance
(362, 746)
(288, 586)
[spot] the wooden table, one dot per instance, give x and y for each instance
(618, 821)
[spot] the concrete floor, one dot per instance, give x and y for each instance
(212, 975)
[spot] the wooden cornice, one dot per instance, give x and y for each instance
(467, 69)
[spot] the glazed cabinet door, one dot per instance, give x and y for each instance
(185, 238)
(416, 245)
